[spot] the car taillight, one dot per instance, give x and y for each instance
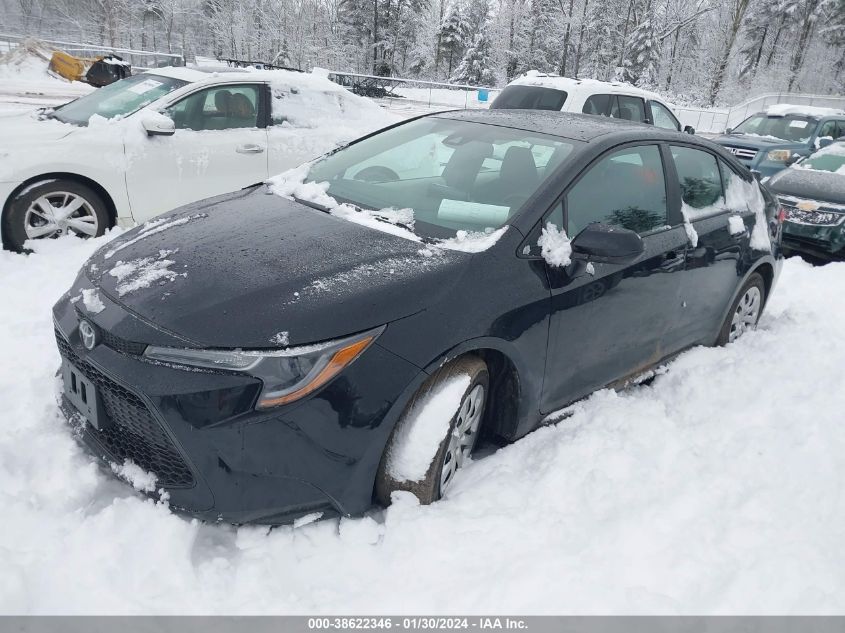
(781, 214)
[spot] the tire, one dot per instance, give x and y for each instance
(745, 311)
(37, 212)
(447, 459)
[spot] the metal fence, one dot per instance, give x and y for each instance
(412, 96)
(139, 59)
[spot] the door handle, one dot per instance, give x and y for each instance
(249, 148)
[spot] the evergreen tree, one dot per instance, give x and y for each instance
(475, 68)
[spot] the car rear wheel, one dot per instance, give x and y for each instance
(53, 208)
(459, 390)
(746, 310)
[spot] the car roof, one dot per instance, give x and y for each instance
(786, 109)
(574, 85)
(211, 74)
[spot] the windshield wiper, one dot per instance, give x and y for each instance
(313, 205)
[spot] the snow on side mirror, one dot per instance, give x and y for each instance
(159, 125)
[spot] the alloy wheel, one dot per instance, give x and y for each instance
(746, 314)
(59, 213)
(463, 436)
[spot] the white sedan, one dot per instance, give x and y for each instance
(164, 138)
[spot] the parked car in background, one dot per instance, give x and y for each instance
(770, 141)
(155, 141)
(813, 194)
(367, 324)
(539, 91)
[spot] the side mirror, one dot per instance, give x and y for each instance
(729, 130)
(159, 125)
(605, 243)
(688, 129)
(824, 142)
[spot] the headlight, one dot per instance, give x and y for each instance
(779, 155)
(288, 374)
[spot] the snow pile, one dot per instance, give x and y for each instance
(92, 302)
(555, 246)
(739, 194)
(135, 476)
(736, 225)
(418, 437)
(715, 489)
(30, 59)
(472, 241)
(144, 272)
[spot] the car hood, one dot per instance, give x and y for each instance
(759, 143)
(256, 270)
(810, 184)
(27, 128)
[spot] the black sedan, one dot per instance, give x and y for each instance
(270, 356)
(813, 194)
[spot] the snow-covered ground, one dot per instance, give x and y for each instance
(716, 489)
(26, 83)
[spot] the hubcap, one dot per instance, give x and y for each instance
(746, 314)
(463, 436)
(58, 213)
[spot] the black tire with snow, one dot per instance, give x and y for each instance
(427, 490)
(14, 219)
(754, 281)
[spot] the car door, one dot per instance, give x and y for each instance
(219, 145)
(610, 320)
(716, 242)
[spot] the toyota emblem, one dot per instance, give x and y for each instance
(88, 334)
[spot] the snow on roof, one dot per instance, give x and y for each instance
(569, 84)
(784, 109)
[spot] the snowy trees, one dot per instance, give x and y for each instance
(704, 51)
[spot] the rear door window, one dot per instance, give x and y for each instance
(625, 188)
(597, 104)
(629, 108)
(529, 98)
(700, 181)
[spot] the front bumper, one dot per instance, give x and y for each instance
(826, 242)
(219, 459)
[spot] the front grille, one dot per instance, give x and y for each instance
(134, 433)
(122, 345)
(117, 343)
(823, 215)
(742, 153)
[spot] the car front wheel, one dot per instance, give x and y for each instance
(52, 208)
(437, 432)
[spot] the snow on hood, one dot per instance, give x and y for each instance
(809, 184)
(283, 267)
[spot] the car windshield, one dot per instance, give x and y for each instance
(827, 161)
(121, 98)
(797, 129)
(529, 98)
(454, 175)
